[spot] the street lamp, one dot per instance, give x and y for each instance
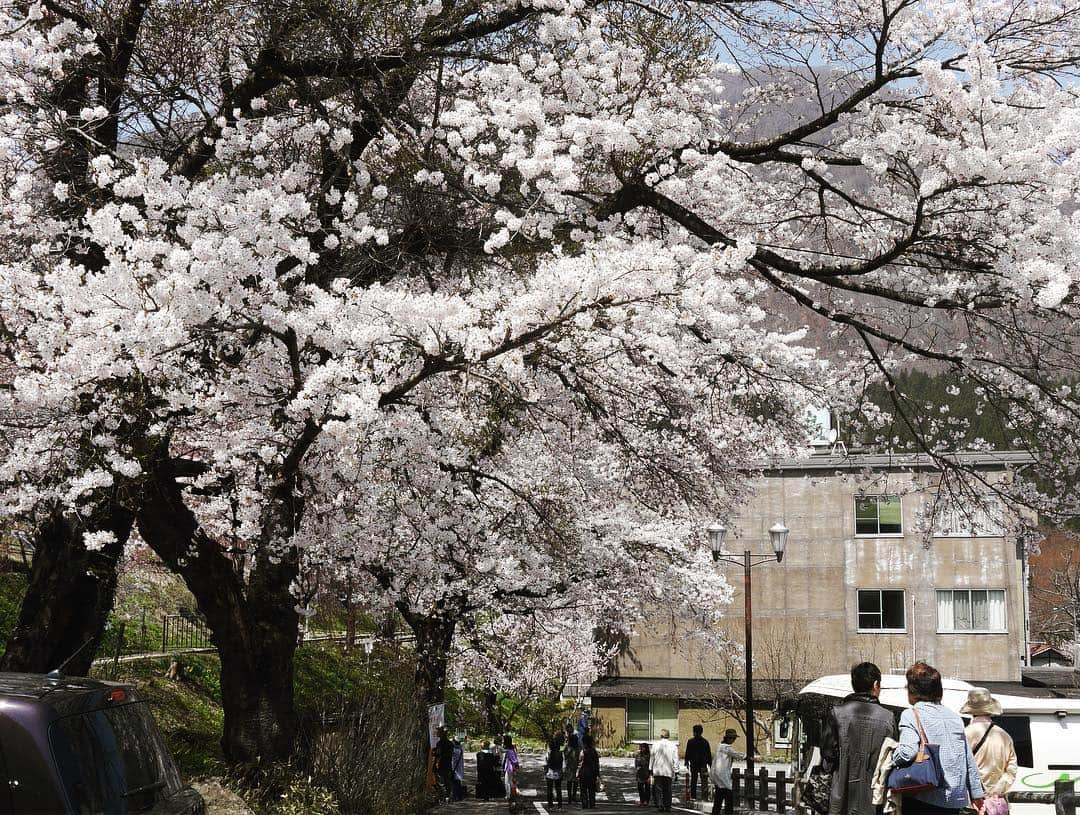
(778, 535)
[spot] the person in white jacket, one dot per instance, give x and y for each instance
(720, 772)
(663, 764)
(993, 748)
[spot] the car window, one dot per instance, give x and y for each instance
(113, 760)
(1019, 727)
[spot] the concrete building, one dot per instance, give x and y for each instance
(883, 563)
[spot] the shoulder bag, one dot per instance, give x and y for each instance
(924, 773)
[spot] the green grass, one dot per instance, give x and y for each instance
(12, 587)
(189, 712)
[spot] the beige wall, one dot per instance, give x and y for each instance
(609, 722)
(814, 591)
(714, 723)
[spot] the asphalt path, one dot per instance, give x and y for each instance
(616, 793)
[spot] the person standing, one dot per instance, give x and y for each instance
(553, 771)
(571, 736)
(698, 758)
(486, 779)
(510, 766)
(589, 772)
(992, 747)
(943, 727)
(583, 724)
(851, 741)
(663, 764)
(720, 773)
(641, 772)
(571, 759)
(444, 763)
(457, 764)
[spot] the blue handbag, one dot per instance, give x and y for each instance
(924, 773)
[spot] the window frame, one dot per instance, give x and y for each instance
(653, 734)
(883, 630)
(877, 498)
(995, 527)
(648, 719)
(954, 630)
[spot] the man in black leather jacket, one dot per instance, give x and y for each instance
(698, 757)
(851, 741)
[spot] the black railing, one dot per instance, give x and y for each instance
(180, 631)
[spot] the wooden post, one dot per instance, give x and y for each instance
(763, 789)
(1065, 798)
(164, 632)
(781, 791)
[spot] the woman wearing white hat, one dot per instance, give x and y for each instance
(995, 755)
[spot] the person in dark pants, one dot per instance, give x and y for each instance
(720, 773)
(588, 773)
(851, 741)
(457, 762)
(488, 785)
(698, 757)
(663, 765)
(553, 771)
(444, 763)
(571, 759)
(641, 772)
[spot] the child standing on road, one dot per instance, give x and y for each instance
(641, 772)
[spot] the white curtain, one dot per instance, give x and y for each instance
(945, 611)
(996, 610)
(975, 610)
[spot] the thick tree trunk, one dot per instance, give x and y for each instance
(70, 595)
(434, 636)
(254, 623)
(493, 713)
(257, 691)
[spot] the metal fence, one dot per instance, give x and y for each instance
(180, 631)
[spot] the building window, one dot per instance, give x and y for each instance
(878, 515)
(971, 610)
(881, 610)
(982, 520)
(645, 718)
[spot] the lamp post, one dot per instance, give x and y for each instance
(778, 534)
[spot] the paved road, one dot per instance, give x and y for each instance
(617, 792)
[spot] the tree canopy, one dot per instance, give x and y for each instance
(489, 303)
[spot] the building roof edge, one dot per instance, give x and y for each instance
(989, 459)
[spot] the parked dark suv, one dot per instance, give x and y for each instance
(81, 747)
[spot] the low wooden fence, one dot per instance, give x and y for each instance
(775, 792)
(765, 791)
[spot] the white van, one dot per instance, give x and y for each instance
(1044, 724)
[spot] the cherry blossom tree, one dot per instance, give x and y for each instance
(490, 302)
